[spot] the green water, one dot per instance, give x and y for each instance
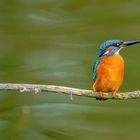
(56, 42)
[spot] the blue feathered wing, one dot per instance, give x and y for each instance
(95, 68)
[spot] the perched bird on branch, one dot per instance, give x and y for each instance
(108, 70)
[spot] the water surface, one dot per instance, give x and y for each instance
(56, 42)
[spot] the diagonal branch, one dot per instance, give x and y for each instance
(36, 88)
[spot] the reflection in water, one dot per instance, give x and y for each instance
(70, 120)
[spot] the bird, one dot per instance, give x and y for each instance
(108, 69)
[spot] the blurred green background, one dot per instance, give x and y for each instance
(56, 42)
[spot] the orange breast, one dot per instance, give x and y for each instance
(110, 73)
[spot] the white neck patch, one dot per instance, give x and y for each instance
(118, 51)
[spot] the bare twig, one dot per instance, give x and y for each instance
(36, 88)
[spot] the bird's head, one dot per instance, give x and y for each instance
(111, 47)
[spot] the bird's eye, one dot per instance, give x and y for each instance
(118, 44)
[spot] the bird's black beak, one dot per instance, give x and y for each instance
(128, 43)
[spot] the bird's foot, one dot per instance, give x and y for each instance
(113, 94)
(101, 97)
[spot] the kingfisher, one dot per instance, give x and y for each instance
(108, 70)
